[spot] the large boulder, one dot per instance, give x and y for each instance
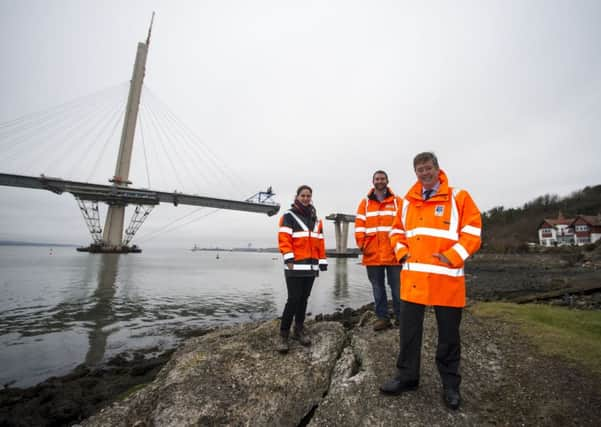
(234, 377)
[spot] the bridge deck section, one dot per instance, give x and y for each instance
(124, 195)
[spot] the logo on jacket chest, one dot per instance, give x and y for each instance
(439, 210)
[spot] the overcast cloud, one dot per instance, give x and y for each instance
(507, 93)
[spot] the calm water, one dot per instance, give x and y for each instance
(60, 308)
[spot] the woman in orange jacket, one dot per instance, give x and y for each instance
(301, 243)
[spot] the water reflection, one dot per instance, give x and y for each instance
(102, 313)
(58, 312)
(341, 279)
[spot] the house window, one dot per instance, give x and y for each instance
(581, 227)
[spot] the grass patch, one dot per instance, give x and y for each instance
(558, 331)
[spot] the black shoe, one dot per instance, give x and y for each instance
(451, 397)
(395, 386)
(282, 345)
(301, 337)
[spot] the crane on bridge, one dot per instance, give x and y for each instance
(113, 238)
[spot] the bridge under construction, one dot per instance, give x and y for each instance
(113, 237)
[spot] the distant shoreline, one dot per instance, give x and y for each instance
(194, 249)
(19, 243)
(263, 250)
(270, 250)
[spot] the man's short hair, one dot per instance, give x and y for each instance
(377, 172)
(424, 157)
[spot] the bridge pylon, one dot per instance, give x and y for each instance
(113, 239)
(341, 222)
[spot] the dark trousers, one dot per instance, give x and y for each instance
(299, 289)
(448, 350)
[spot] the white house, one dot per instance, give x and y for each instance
(587, 229)
(556, 232)
(563, 231)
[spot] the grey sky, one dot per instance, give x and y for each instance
(507, 93)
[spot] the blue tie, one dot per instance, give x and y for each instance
(428, 193)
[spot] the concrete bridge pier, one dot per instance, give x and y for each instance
(341, 226)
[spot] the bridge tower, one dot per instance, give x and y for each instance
(112, 238)
(341, 222)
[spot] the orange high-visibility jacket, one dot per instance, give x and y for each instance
(372, 225)
(303, 246)
(448, 223)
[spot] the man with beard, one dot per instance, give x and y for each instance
(372, 225)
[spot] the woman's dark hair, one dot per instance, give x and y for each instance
(303, 187)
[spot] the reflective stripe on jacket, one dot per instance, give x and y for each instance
(372, 224)
(448, 223)
(302, 246)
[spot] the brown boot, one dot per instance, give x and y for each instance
(282, 345)
(301, 337)
(381, 324)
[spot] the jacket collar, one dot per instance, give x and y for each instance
(415, 192)
(389, 194)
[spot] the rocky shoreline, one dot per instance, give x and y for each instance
(233, 376)
(574, 275)
(70, 399)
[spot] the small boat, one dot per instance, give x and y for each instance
(195, 248)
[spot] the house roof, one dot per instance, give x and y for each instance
(593, 220)
(560, 220)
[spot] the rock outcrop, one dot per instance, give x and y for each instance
(234, 377)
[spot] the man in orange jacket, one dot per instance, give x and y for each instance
(372, 225)
(436, 229)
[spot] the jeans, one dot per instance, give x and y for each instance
(299, 289)
(376, 275)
